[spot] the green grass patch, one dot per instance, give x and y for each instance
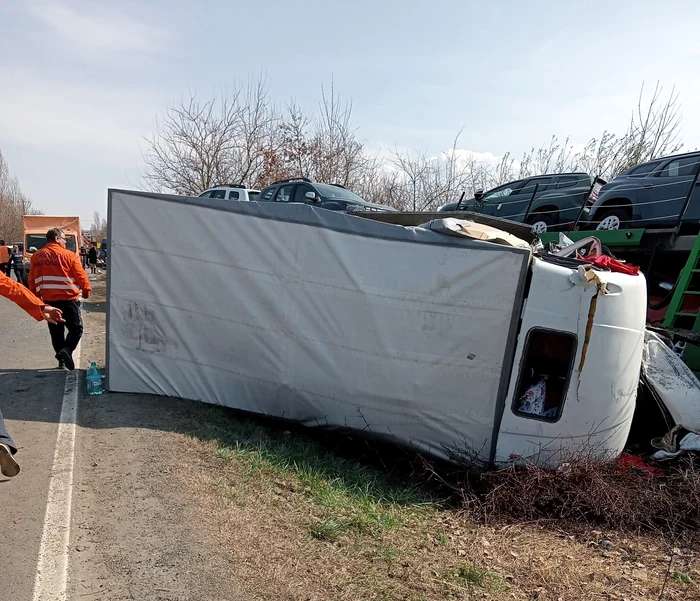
(682, 578)
(328, 529)
(387, 553)
(472, 576)
(225, 453)
(442, 538)
(347, 495)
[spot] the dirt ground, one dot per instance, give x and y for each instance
(135, 534)
(182, 501)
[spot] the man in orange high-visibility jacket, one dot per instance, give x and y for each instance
(4, 259)
(19, 295)
(57, 277)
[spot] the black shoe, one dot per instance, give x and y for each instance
(67, 358)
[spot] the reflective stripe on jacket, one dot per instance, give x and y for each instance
(56, 274)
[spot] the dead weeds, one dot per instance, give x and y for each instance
(299, 521)
(589, 494)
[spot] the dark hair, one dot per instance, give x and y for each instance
(54, 234)
(2, 243)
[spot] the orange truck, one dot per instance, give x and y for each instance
(36, 226)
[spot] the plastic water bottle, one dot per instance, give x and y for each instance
(94, 380)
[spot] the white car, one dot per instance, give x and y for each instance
(231, 192)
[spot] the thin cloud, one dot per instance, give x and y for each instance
(100, 30)
(95, 124)
(482, 159)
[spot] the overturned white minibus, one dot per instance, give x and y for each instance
(457, 346)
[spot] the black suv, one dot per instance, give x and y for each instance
(545, 202)
(327, 196)
(649, 194)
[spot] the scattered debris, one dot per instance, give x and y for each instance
(676, 442)
(671, 381)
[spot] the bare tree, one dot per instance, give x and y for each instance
(198, 144)
(413, 171)
(297, 148)
(339, 156)
(98, 230)
(324, 146)
(242, 137)
(653, 131)
(381, 184)
(258, 124)
(429, 181)
(13, 205)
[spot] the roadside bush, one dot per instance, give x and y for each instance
(589, 493)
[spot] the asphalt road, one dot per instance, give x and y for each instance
(133, 535)
(31, 393)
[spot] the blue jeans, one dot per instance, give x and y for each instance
(5, 437)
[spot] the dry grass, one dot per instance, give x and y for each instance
(298, 521)
(593, 494)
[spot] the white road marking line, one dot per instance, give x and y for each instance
(51, 581)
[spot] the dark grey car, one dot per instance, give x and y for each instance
(649, 194)
(326, 196)
(556, 204)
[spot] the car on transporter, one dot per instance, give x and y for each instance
(546, 202)
(303, 190)
(230, 192)
(649, 194)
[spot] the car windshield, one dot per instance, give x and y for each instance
(38, 241)
(328, 191)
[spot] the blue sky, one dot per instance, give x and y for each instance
(81, 81)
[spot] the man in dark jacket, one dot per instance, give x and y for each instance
(17, 260)
(92, 257)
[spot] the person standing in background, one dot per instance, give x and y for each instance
(4, 258)
(17, 259)
(83, 256)
(92, 257)
(57, 277)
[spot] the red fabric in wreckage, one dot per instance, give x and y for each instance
(615, 265)
(626, 462)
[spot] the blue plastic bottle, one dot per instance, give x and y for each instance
(94, 380)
